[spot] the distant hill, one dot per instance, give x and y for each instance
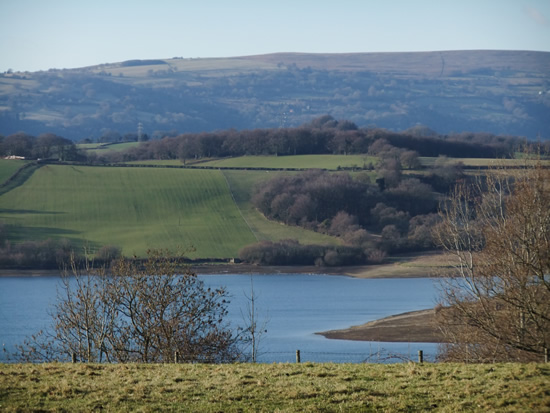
(502, 92)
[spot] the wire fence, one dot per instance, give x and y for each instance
(379, 356)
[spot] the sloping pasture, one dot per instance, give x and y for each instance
(135, 208)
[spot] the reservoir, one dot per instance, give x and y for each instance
(293, 308)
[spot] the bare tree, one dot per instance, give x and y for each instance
(497, 304)
(255, 327)
(82, 319)
(146, 313)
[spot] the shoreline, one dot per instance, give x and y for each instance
(418, 265)
(411, 327)
(366, 271)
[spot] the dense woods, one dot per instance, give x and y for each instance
(370, 218)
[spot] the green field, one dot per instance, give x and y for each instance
(163, 162)
(330, 162)
(142, 208)
(136, 208)
(103, 147)
(482, 162)
(8, 167)
(296, 161)
(303, 387)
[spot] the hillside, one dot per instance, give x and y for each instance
(141, 208)
(130, 207)
(502, 92)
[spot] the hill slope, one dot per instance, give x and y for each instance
(142, 208)
(503, 92)
(135, 208)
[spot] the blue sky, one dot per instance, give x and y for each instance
(43, 34)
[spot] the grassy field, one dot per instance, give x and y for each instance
(163, 162)
(330, 162)
(141, 208)
(303, 387)
(102, 147)
(481, 162)
(8, 167)
(296, 161)
(131, 207)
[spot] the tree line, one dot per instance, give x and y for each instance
(323, 135)
(45, 146)
(49, 254)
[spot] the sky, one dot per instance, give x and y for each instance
(43, 34)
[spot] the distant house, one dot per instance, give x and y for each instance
(14, 157)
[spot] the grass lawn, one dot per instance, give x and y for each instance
(303, 387)
(135, 208)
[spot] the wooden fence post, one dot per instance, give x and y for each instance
(420, 356)
(73, 357)
(297, 356)
(176, 357)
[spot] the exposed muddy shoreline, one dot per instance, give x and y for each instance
(411, 327)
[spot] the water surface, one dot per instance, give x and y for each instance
(294, 307)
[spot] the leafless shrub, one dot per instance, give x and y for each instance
(497, 232)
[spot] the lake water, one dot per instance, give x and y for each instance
(294, 306)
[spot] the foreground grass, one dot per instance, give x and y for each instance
(275, 387)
